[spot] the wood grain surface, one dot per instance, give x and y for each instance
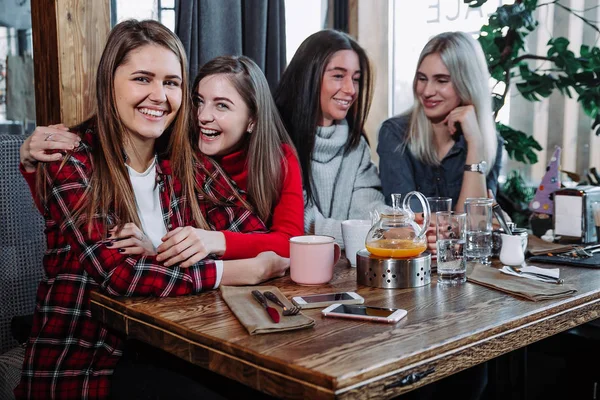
(448, 329)
(68, 39)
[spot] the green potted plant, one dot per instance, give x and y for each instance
(503, 41)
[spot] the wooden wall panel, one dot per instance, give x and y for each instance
(68, 37)
(45, 56)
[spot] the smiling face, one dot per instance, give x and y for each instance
(339, 87)
(223, 115)
(147, 88)
(434, 88)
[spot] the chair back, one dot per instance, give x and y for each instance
(22, 241)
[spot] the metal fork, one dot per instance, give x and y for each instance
(284, 310)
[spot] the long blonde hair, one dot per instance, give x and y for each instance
(265, 155)
(109, 194)
(464, 58)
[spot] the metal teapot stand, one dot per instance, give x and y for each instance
(392, 273)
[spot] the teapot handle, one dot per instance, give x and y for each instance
(426, 210)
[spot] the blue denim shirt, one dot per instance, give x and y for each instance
(401, 172)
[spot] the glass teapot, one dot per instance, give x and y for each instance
(394, 233)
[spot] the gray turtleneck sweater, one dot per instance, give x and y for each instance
(346, 186)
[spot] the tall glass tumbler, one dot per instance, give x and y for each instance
(450, 243)
(479, 229)
(438, 204)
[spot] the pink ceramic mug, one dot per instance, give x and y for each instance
(312, 258)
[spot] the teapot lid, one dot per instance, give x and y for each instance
(396, 210)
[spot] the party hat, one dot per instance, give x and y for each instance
(542, 201)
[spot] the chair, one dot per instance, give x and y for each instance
(22, 246)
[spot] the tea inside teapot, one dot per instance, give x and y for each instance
(395, 234)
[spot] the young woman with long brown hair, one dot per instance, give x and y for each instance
(237, 124)
(114, 185)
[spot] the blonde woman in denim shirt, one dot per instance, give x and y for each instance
(446, 145)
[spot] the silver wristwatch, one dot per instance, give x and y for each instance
(480, 167)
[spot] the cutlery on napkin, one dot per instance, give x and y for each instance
(262, 300)
(535, 273)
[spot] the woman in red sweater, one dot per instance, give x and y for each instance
(237, 124)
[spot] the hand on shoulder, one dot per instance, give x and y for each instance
(45, 144)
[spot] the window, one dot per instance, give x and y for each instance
(160, 10)
(302, 19)
(419, 21)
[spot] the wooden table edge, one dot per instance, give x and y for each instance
(454, 359)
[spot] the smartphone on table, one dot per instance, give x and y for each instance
(368, 313)
(323, 300)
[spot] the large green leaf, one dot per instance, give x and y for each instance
(519, 145)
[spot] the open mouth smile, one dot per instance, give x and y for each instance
(210, 133)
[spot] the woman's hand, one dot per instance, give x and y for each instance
(466, 117)
(187, 245)
(131, 240)
(44, 139)
(274, 266)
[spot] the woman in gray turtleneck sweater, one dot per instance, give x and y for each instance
(324, 98)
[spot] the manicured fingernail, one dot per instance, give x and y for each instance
(109, 244)
(121, 250)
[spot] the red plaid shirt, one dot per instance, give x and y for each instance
(70, 355)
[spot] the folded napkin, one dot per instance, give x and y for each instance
(525, 288)
(254, 317)
(537, 246)
(566, 259)
(528, 271)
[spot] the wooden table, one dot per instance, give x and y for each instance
(447, 329)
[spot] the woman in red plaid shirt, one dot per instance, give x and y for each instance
(104, 192)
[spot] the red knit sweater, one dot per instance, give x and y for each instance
(288, 215)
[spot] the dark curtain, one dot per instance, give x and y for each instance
(341, 11)
(254, 28)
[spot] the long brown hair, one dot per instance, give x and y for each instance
(265, 155)
(299, 92)
(109, 194)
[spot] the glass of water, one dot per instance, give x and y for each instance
(450, 241)
(479, 229)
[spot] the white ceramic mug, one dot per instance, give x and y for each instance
(354, 233)
(312, 258)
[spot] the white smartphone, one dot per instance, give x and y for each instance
(377, 314)
(323, 300)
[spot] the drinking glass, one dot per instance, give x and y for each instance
(479, 229)
(439, 204)
(450, 242)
